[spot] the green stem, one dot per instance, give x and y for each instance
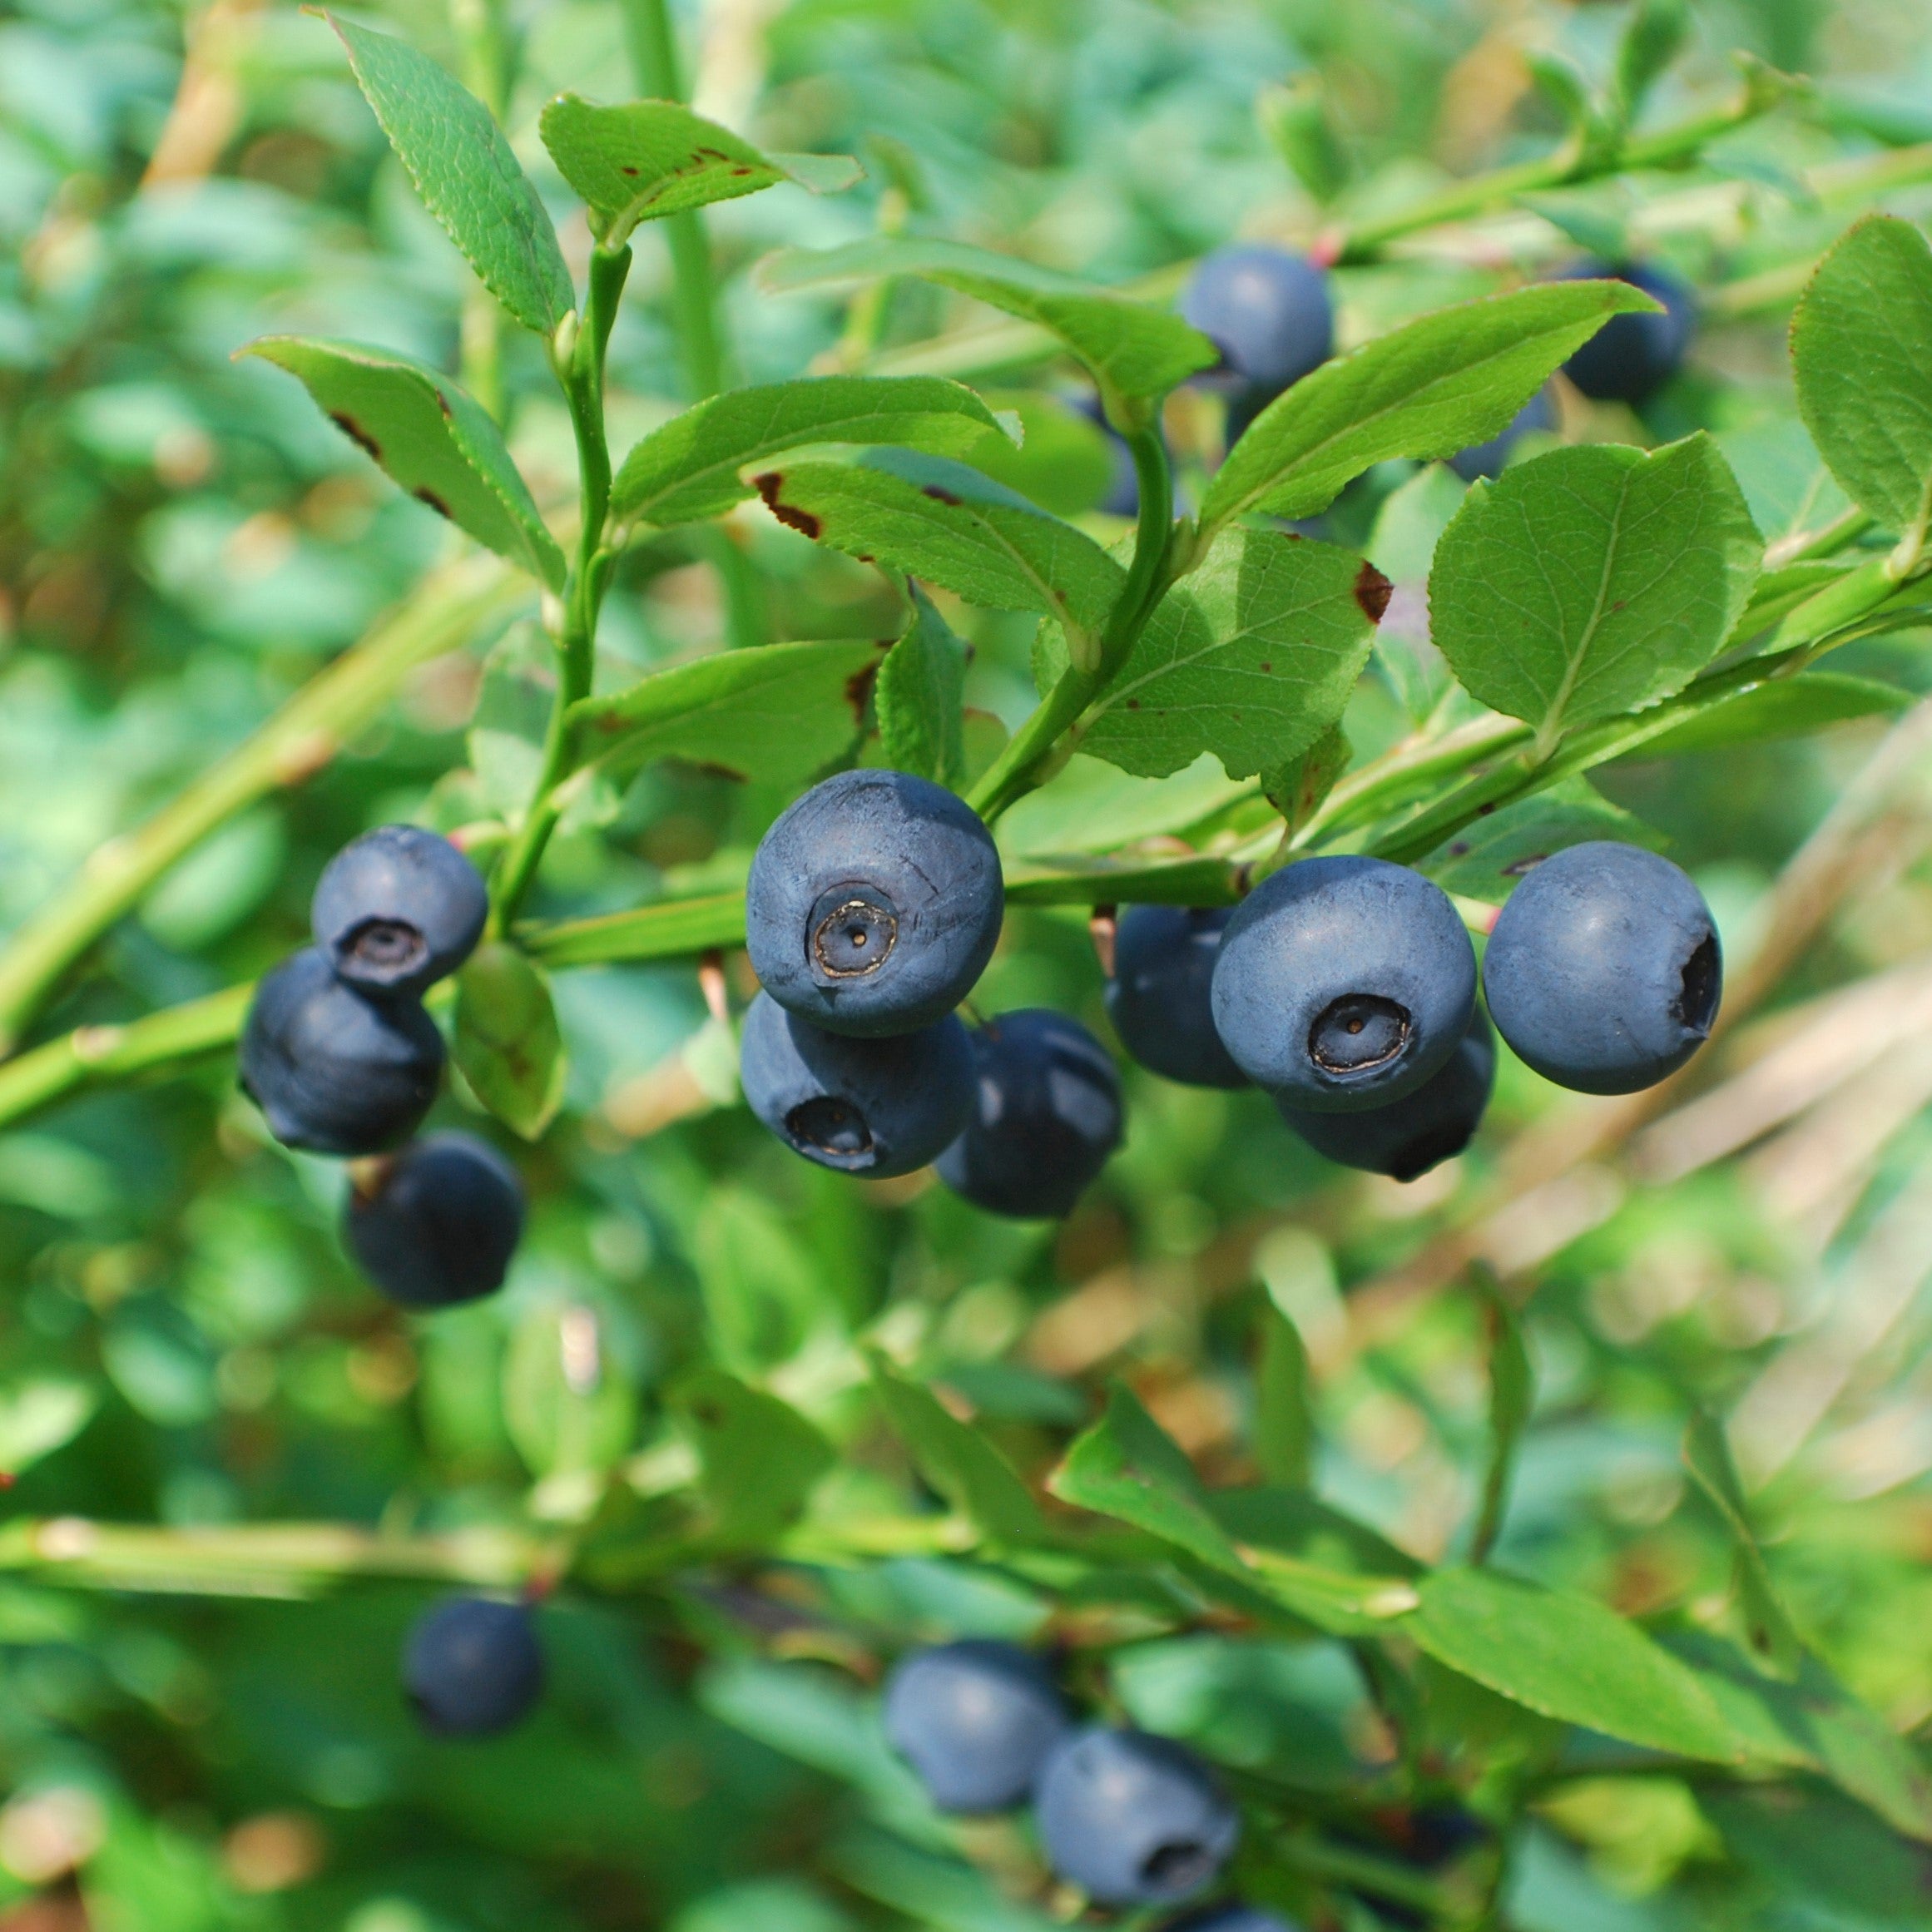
(446, 611)
(582, 378)
(1018, 768)
(653, 44)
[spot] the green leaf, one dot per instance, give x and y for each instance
(1861, 343)
(960, 1462)
(778, 713)
(648, 159)
(39, 1414)
(949, 524)
(689, 467)
(1127, 1466)
(1252, 658)
(1787, 708)
(1775, 1644)
(507, 1044)
(1132, 350)
(1652, 37)
(429, 435)
(917, 698)
(1297, 787)
(1512, 1391)
(1488, 860)
(1433, 387)
(455, 154)
(569, 1408)
(1571, 1658)
(758, 1458)
(762, 1295)
(1065, 463)
(1592, 581)
(1283, 1417)
(1095, 807)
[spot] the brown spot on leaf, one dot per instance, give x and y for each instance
(426, 495)
(631, 172)
(1266, 666)
(769, 486)
(1372, 592)
(1459, 849)
(939, 495)
(443, 404)
(357, 434)
(1483, 811)
(1133, 704)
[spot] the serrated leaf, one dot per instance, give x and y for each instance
(1127, 1466)
(1787, 708)
(1569, 1657)
(648, 159)
(462, 166)
(1774, 1642)
(1512, 1391)
(429, 435)
(1283, 1417)
(39, 1414)
(1132, 350)
(1592, 581)
(917, 698)
(758, 1458)
(954, 526)
(778, 713)
(1252, 657)
(1861, 343)
(1434, 386)
(507, 1044)
(690, 467)
(960, 1462)
(1489, 858)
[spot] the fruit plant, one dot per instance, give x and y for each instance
(1163, 722)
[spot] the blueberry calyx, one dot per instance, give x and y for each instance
(855, 928)
(1359, 1031)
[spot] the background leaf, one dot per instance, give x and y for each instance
(455, 154)
(758, 1458)
(507, 1043)
(917, 696)
(1592, 581)
(960, 1462)
(430, 436)
(1284, 1423)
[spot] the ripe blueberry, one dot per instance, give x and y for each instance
(333, 1072)
(875, 1107)
(1409, 1137)
(1342, 984)
(1489, 459)
(974, 1720)
(1159, 1000)
(1130, 1819)
(1268, 311)
(439, 1223)
(471, 1666)
(873, 904)
(1048, 1116)
(397, 910)
(1632, 357)
(1603, 971)
(1230, 1918)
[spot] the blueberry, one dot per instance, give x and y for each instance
(398, 908)
(974, 1720)
(875, 1107)
(1269, 313)
(1048, 1116)
(1603, 971)
(1132, 1819)
(1230, 1918)
(1632, 357)
(471, 1666)
(1158, 999)
(440, 1222)
(333, 1072)
(873, 904)
(1343, 983)
(1489, 459)
(1409, 1137)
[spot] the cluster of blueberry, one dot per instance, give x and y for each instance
(341, 1058)
(1132, 1819)
(1346, 987)
(1271, 314)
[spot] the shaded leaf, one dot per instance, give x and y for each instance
(1284, 1421)
(648, 159)
(1489, 859)
(1297, 788)
(1427, 389)
(960, 1462)
(430, 437)
(758, 1458)
(456, 155)
(1592, 581)
(1512, 1391)
(1787, 708)
(689, 466)
(916, 698)
(506, 1042)
(1774, 1642)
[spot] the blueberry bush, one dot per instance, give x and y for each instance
(980, 1011)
